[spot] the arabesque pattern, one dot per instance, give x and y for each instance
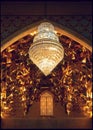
(80, 24)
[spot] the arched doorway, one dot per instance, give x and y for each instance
(46, 104)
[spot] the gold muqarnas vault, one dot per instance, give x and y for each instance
(70, 81)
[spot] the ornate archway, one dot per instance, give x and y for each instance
(70, 81)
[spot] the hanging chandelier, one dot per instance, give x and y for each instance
(46, 51)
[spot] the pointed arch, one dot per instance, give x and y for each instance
(33, 27)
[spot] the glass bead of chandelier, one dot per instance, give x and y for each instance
(46, 51)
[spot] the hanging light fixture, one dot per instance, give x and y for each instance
(46, 51)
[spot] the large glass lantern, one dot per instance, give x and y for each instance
(46, 51)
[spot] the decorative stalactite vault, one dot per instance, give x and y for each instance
(23, 82)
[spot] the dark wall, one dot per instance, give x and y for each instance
(46, 8)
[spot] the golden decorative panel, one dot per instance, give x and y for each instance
(70, 82)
